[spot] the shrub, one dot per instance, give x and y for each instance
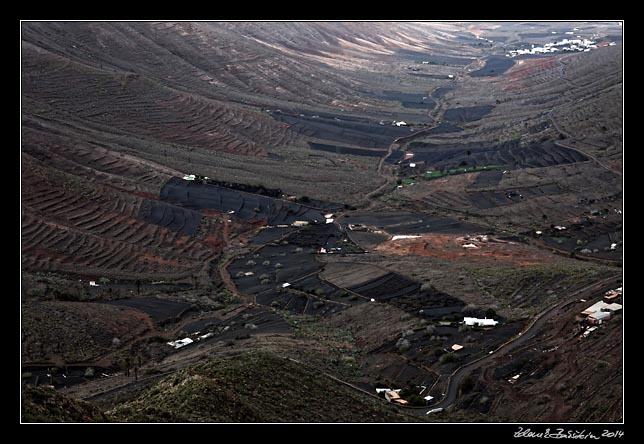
(319, 291)
(448, 358)
(89, 372)
(403, 344)
(468, 384)
(416, 400)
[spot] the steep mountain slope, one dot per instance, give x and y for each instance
(111, 111)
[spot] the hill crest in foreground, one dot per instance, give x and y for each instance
(253, 387)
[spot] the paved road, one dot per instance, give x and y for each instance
(451, 393)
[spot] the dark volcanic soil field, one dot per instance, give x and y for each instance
(494, 66)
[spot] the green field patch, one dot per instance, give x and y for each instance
(459, 170)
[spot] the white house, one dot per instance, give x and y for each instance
(206, 336)
(180, 342)
(602, 306)
(480, 322)
(599, 317)
(393, 396)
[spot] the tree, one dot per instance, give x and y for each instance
(415, 400)
(467, 385)
(448, 358)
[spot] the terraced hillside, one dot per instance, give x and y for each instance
(554, 135)
(111, 111)
(90, 227)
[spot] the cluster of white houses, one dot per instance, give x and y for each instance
(573, 45)
(602, 311)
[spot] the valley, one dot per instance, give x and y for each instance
(215, 211)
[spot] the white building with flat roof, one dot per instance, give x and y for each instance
(485, 322)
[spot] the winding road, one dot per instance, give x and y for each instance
(455, 379)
